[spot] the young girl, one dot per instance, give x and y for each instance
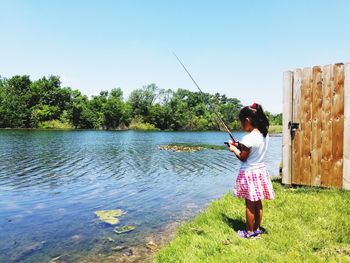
(253, 182)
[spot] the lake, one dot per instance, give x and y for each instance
(52, 182)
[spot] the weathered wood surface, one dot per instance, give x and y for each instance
(296, 118)
(287, 116)
(326, 130)
(305, 123)
(316, 141)
(338, 126)
(346, 147)
(320, 150)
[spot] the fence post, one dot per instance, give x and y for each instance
(346, 145)
(287, 117)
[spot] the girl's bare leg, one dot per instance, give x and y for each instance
(250, 214)
(258, 213)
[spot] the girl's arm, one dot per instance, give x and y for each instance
(242, 153)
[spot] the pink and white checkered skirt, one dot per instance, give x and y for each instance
(254, 184)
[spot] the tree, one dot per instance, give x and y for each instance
(275, 119)
(113, 109)
(24, 103)
(48, 100)
(229, 108)
(81, 115)
(142, 99)
(15, 107)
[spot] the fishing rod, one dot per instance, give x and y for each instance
(220, 120)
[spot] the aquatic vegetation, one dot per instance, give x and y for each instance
(110, 216)
(188, 147)
(124, 229)
(180, 148)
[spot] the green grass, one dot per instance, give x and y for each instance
(276, 129)
(303, 225)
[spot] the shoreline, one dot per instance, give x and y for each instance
(272, 134)
(145, 251)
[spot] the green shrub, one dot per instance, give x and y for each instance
(138, 124)
(54, 124)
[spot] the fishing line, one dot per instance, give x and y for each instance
(220, 120)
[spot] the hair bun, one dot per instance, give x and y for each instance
(257, 116)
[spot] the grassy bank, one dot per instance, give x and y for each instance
(303, 225)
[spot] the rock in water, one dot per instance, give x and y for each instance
(110, 216)
(119, 248)
(151, 246)
(109, 239)
(55, 259)
(28, 250)
(124, 229)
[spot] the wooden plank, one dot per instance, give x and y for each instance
(346, 144)
(306, 101)
(287, 116)
(326, 125)
(338, 126)
(296, 146)
(316, 141)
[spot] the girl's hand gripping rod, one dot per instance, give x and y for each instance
(219, 119)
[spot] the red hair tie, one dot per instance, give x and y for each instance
(253, 106)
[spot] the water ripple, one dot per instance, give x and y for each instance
(51, 183)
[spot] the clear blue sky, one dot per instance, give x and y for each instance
(239, 48)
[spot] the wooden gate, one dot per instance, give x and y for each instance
(316, 126)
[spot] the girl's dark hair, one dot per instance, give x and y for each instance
(257, 117)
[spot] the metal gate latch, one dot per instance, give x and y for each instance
(293, 126)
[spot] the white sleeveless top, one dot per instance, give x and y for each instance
(257, 144)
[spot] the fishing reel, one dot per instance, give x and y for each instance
(231, 142)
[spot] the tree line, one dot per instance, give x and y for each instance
(44, 103)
